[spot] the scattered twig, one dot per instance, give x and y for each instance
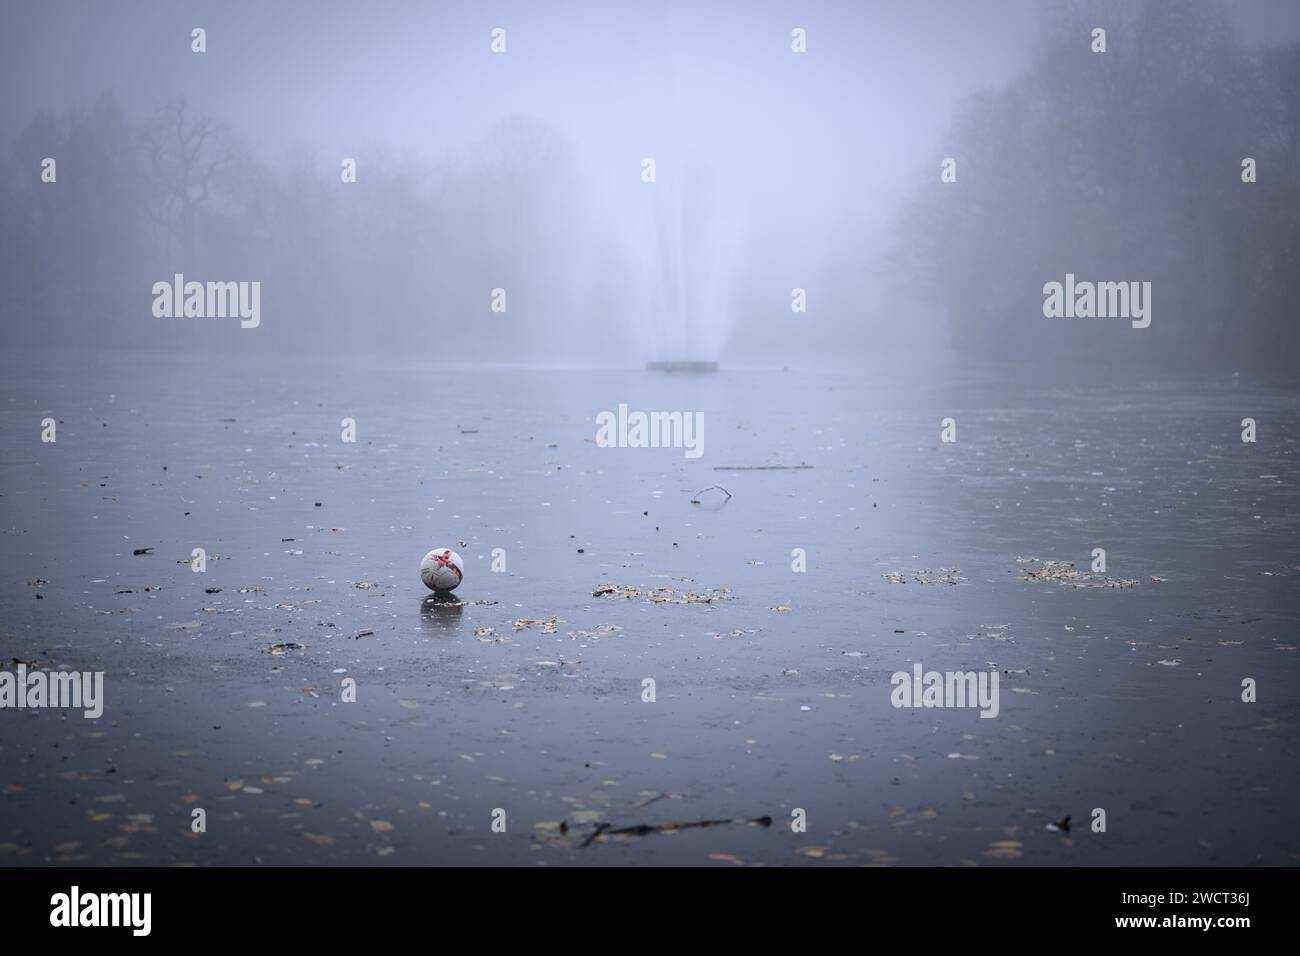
(600, 828)
(760, 467)
(696, 499)
(643, 829)
(682, 366)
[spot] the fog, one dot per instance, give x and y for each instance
(295, 295)
(504, 210)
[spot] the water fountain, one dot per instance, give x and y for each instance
(690, 289)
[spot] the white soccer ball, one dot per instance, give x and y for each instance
(442, 570)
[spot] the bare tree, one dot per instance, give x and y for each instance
(188, 155)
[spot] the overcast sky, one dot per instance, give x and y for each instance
(623, 80)
(794, 147)
(420, 76)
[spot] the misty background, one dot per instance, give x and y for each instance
(775, 171)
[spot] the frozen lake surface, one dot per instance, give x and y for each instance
(773, 700)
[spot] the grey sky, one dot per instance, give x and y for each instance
(622, 80)
(805, 158)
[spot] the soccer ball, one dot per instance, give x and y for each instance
(442, 570)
